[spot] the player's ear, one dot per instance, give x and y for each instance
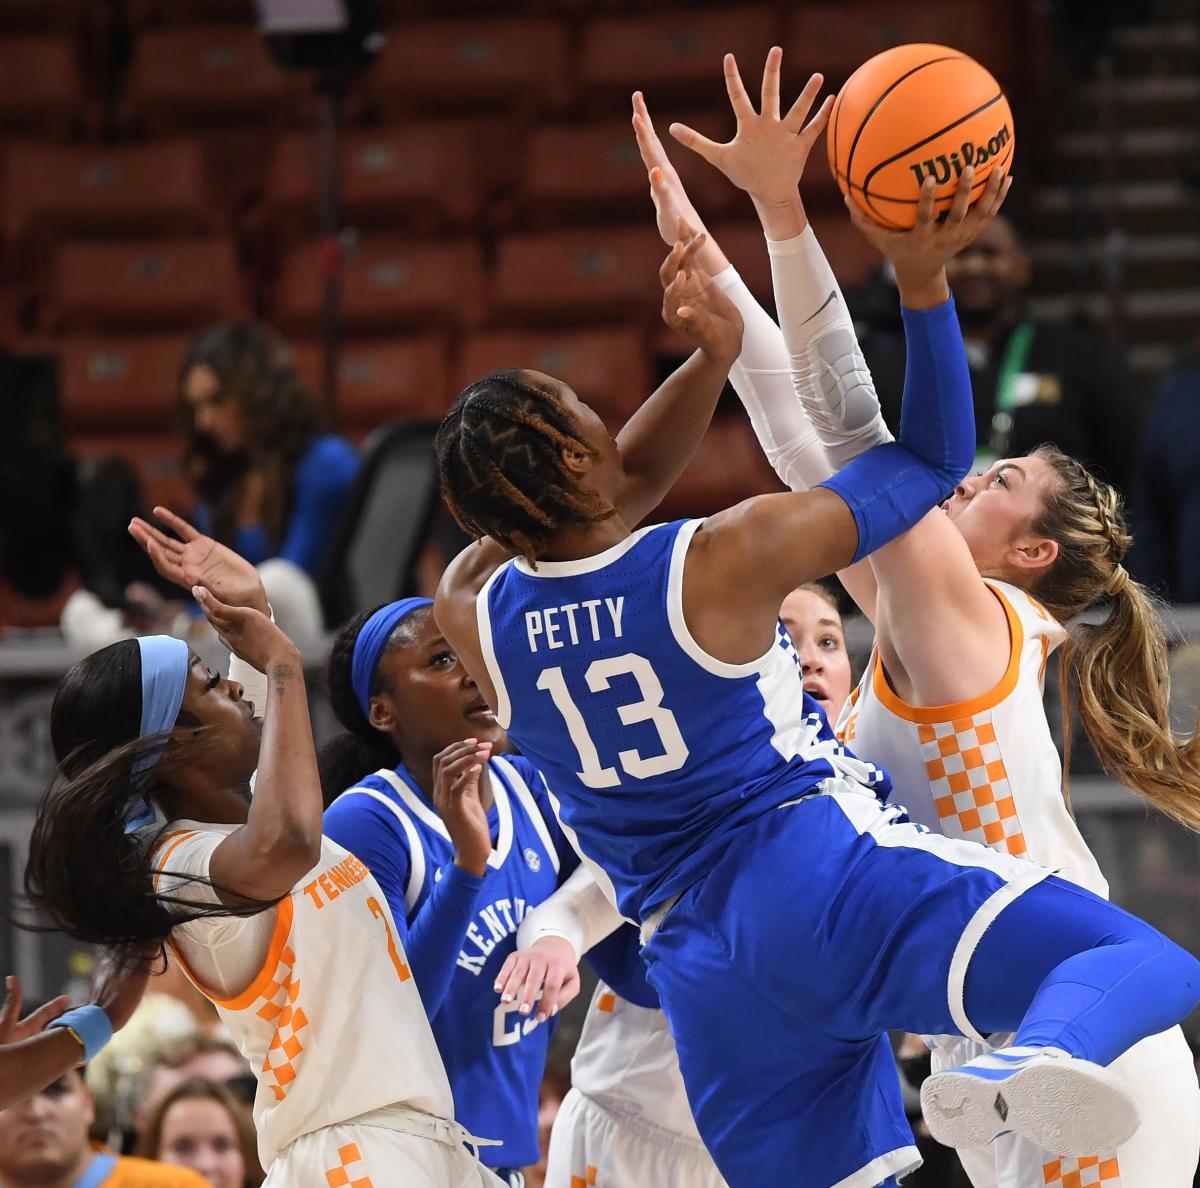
(576, 462)
(382, 717)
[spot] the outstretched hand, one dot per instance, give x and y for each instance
(767, 155)
(920, 254)
(248, 634)
(189, 558)
(14, 1029)
(693, 306)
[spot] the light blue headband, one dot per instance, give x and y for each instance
(370, 644)
(165, 663)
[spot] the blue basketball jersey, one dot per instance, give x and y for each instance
(656, 751)
(494, 1056)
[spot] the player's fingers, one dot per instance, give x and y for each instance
(962, 197)
(798, 112)
(926, 204)
(693, 241)
(992, 196)
(141, 531)
(551, 991)
(177, 524)
(12, 1005)
(37, 1020)
(647, 137)
(510, 963)
(669, 270)
(816, 125)
(535, 976)
(1004, 189)
(770, 82)
(516, 976)
(736, 89)
(569, 990)
(710, 150)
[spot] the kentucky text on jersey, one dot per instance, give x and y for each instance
(558, 626)
(499, 920)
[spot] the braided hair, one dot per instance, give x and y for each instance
(499, 452)
(1120, 665)
(361, 749)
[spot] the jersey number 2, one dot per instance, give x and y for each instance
(599, 676)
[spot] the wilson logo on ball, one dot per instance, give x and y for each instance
(942, 166)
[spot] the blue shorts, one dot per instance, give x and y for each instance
(826, 923)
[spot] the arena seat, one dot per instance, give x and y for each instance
(574, 276)
(39, 15)
(40, 89)
(52, 190)
(145, 284)
(156, 459)
(206, 75)
(671, 52)
(836, 37)
(608, 368)
(425, 172)
(388, 283)
(572, 170)
(474, 63)
(728, 467)
(110, 383)
(384, 379)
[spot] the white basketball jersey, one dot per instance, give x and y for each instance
(626, 1060)
(985, 769)
(333, 1024)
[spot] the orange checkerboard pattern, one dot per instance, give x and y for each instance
(281, 994)
(970, 784)
(1083, 1172)
(587, 1180)
(607, 1002)
(339, 1177)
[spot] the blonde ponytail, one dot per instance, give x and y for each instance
(1118, 667)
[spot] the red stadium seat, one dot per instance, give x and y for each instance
(134, 190)
(836, 38)
(39, 85)
(156, 459)
(145, 284)
(384, 380)
(427, 172)
(476, 63)
(595, 169)
(115, 384)
(672, 52)
(204, 76)
(574, 276)
(388, 283)
(607, 368)
(728, 467)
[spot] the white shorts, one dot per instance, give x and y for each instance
(358, 1155)
(594, 1145)
(1162, 1153)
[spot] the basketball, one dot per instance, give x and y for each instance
(913, 112)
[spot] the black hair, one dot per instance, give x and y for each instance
(85, 876)
(499, 452)
(361, 749)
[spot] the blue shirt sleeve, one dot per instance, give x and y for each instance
(435, 932)
(568, 857)
(323, 478)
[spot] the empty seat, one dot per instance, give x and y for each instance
(388, 283)
(417, 171)
(572, 169)
(728, 467)
(156, 459)
(145, 284)
(608, 368)
(574, 276)
(39, 85)
(478, 63)
(673, 52)
(836, 38)
(112, 384)
(207, 75)
(53, 190)
(385, 380)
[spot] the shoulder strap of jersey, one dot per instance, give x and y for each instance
(509, 774)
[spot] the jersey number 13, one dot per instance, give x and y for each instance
(650, 708)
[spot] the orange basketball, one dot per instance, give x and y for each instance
(911, 112)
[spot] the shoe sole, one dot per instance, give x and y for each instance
(1065, 1108)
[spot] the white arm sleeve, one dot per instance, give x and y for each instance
(829, 373)
(578, 911)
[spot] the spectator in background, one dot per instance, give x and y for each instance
(1166, 489)
(44, 1144)
(196, 1057)
(201, 1125)
(1034, 381)
(271, 482)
